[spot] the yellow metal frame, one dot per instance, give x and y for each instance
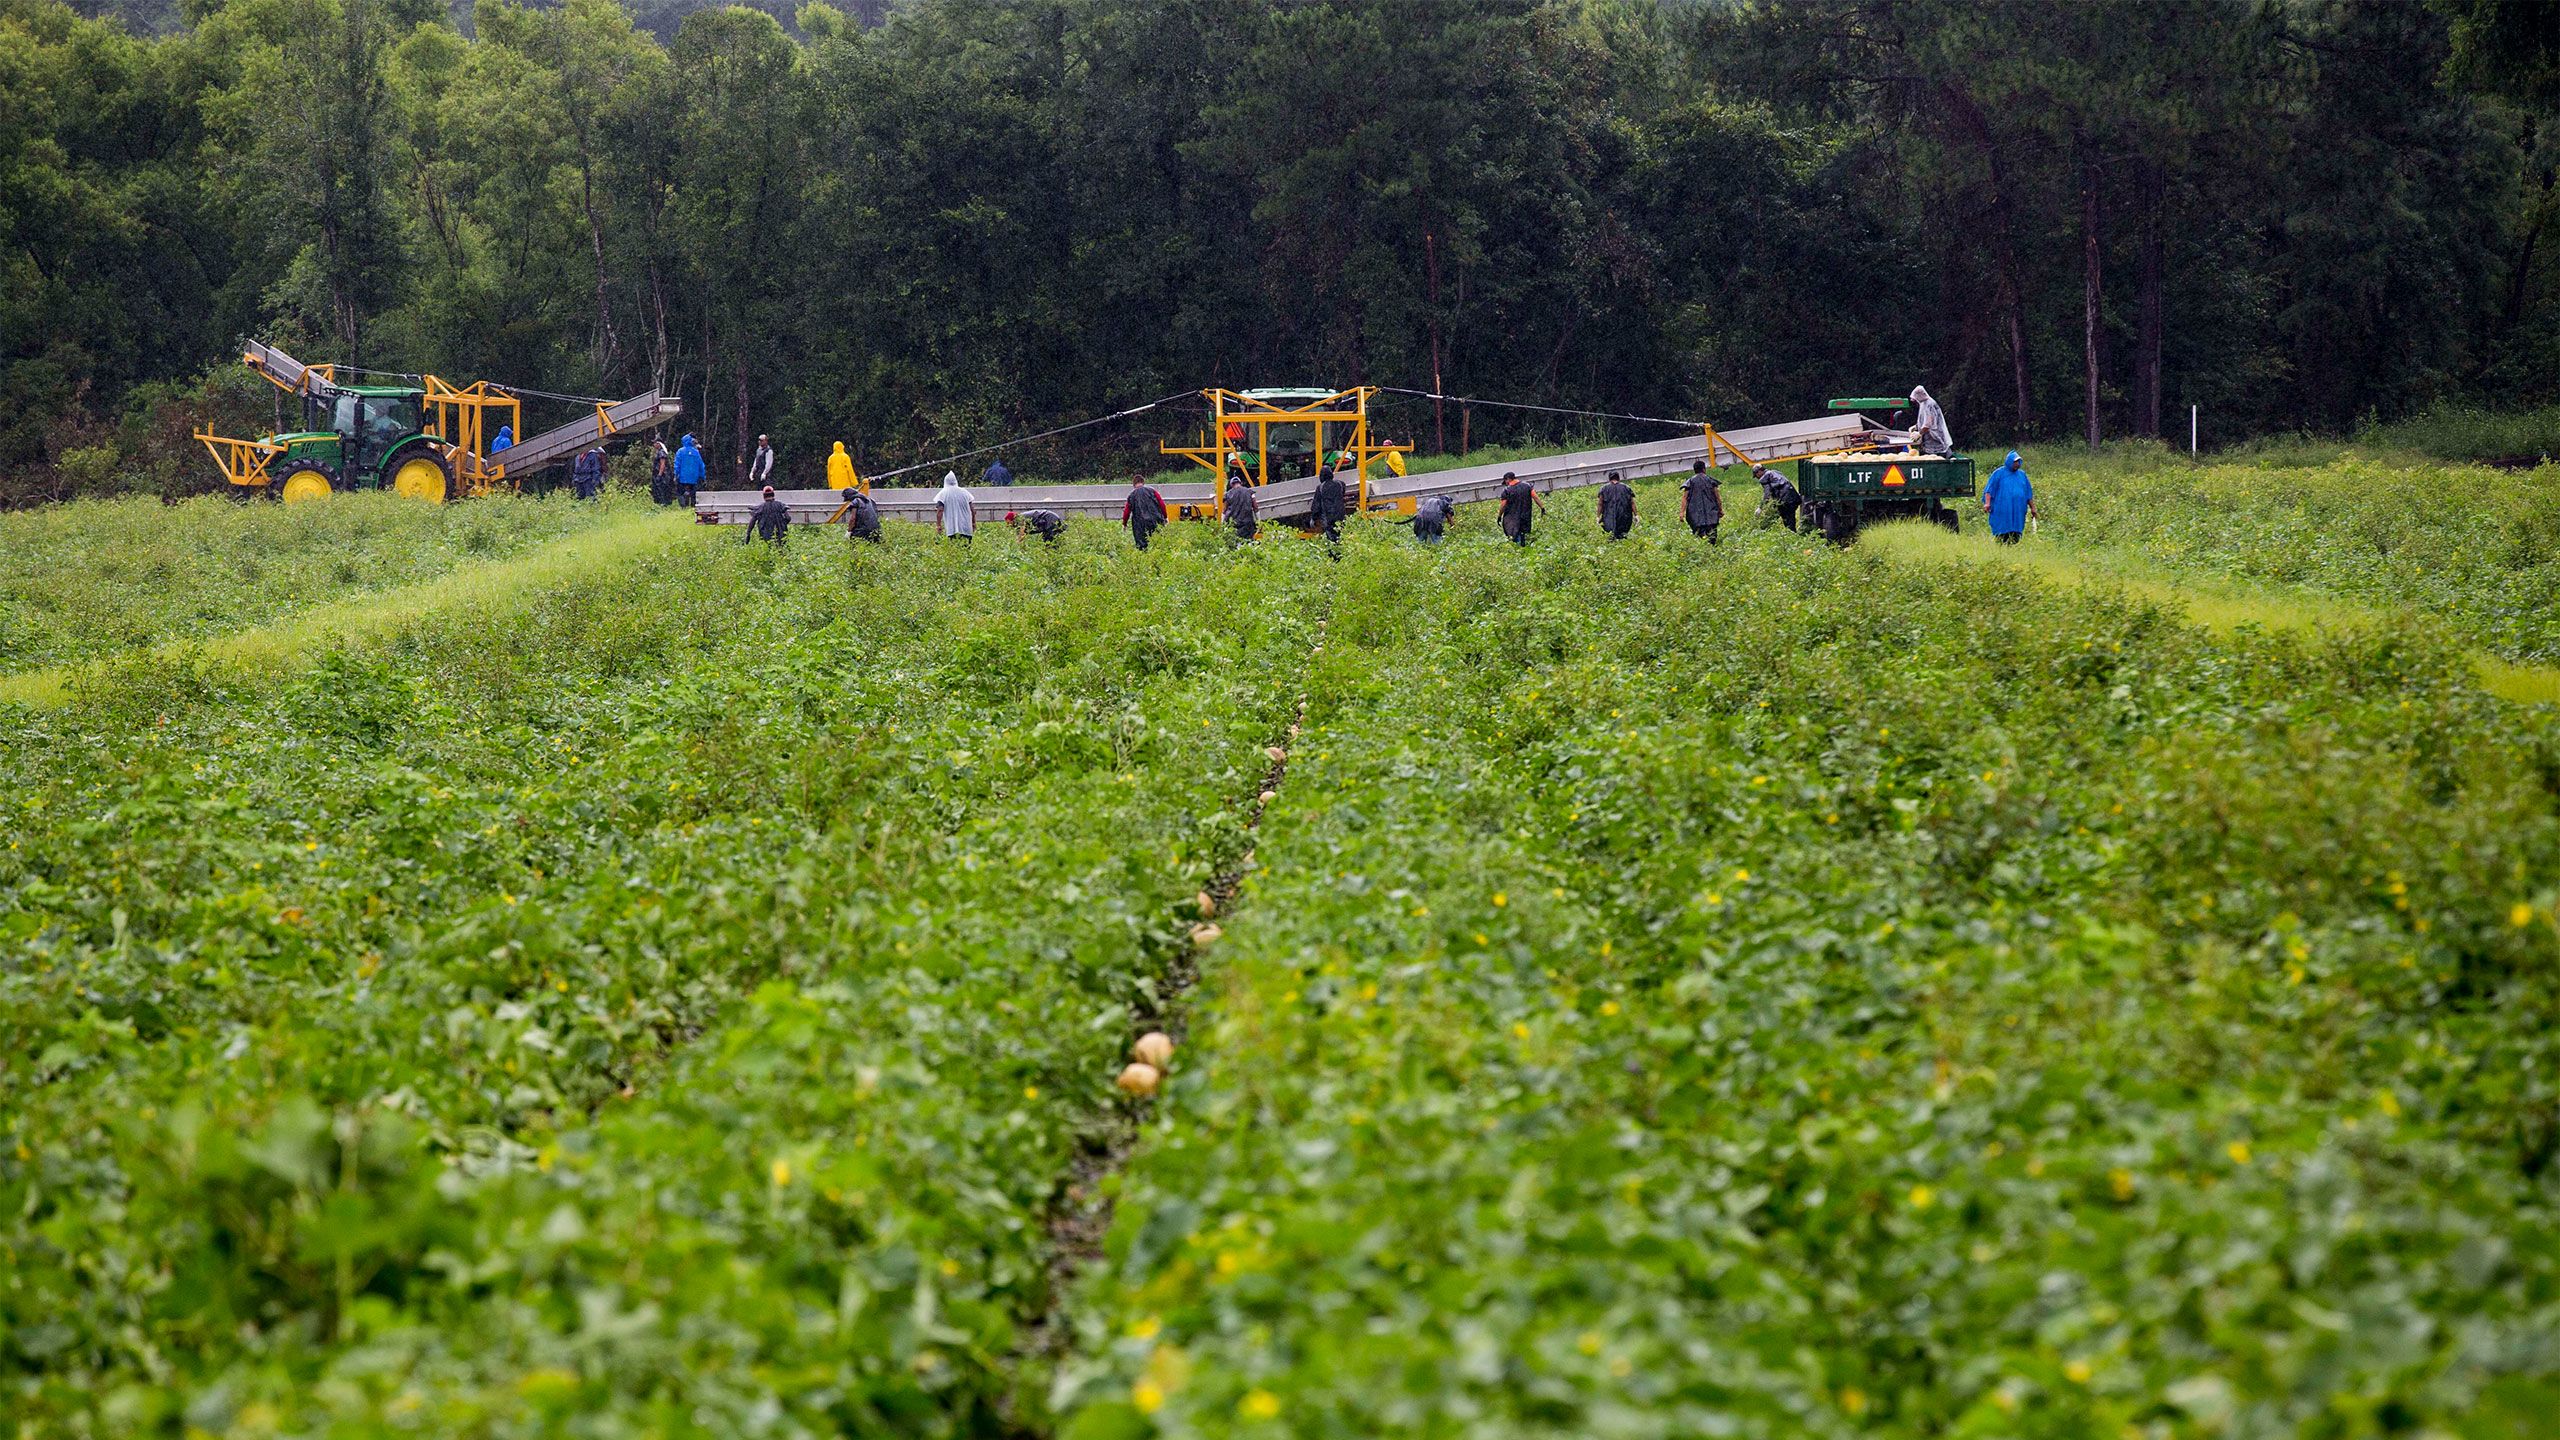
(462, 423)
(1233, 408)
(242, 462)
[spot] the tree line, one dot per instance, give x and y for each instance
(920, 227)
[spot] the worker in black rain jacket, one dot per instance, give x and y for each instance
(1047, 524)
(861, 517)
(1617, 507)
(1142, 512)
(1431, 518)
(1518, 498)
(1780, 494)
(771, 520)
(1243, 511)
(662, 472)
(760, 469)
(1332, 504)
(586, 473)
(1701, 502)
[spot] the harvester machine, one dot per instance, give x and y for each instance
(428, 441)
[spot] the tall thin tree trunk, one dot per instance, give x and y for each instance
(1977, 128)
(2089, 285)
(746, 422)
(2146, 360)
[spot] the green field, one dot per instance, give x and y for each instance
(602, 979)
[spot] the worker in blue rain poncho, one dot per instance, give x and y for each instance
(506, 439)
(689, 471)
(2008, 499)
(1929, 431)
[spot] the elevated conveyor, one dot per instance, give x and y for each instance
(640, 412)
(1291, 499)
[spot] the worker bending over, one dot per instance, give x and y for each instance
(1243, 511)
(1142, 512)
(1431, 518)
(771, 519)
(1617, 508)
(1701, 502)
(861, 517)
(2008, 499)
(1929, 432)
(1047, 524)
(1779, 492)
(1518, 496)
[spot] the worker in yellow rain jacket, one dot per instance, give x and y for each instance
(840, 474)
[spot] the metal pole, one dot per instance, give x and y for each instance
(2191, 432)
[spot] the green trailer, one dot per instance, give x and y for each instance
(1848, 492)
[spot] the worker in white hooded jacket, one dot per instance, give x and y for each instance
(1929, 432)
(959, 512)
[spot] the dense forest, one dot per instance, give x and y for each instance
(920, 226)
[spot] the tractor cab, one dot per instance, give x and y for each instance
(358, 437)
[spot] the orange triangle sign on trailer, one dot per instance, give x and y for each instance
(1892, 475)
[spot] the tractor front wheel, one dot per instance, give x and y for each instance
(303, 480)
(423, 475)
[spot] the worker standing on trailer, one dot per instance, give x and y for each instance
(840, 474)
(1243, 512)
(586, 473)
(996, 474)
(760, 469)
(771, 519)
(959, 512)
(861, 517)
(662, 472)
(1047, 524)
(1617, 507)
(1518, 496)
(1142, 512)
(1780, 494)
(1431, 518)
(1702, 502)
(689, 468)
(1331, 504)
(506, 439)
(2008, 499)
(1929, 433)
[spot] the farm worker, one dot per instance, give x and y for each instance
(1617, 507)
(586, 473)
(2008, 499)
(1517, 496)
(840, 474)
(1047, 524)
(1701, 502)
(662, 472)
(760, 470)
(506, 439)
(1142, 512)
(1778, 492)
(996, 474)
(1243, 512)
(1929, 433)
(1431, 518)
(959, 513)
(771, 519)
(861, 517)
(689, 471)
(1332, 504)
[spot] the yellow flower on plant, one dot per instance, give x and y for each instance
(1500, 899)
(1922, 1197)
(1853, 1400)
(781, 1172)
(1146, 1328)
(2387, 1103)
(2120, 1184)
(1259, 1404)
(2077, 1372)
(2238, 1150)
(1520, 1029)
(2521, 915)
(1589, 1343)
(1148, 1396)
(1608, 1007)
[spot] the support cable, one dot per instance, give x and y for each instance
(1027, 439)
(1543, 409)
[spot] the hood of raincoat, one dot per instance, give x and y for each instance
(2013, 462)
(506, 434)
(689, 445)
(950, 479)
(1919, 394)
(839, 447)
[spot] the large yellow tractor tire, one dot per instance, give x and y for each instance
(303, 482)
(423, 475)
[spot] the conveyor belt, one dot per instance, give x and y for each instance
(1289, 499)
(552, 446)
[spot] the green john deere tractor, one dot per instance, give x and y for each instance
(359, 437)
